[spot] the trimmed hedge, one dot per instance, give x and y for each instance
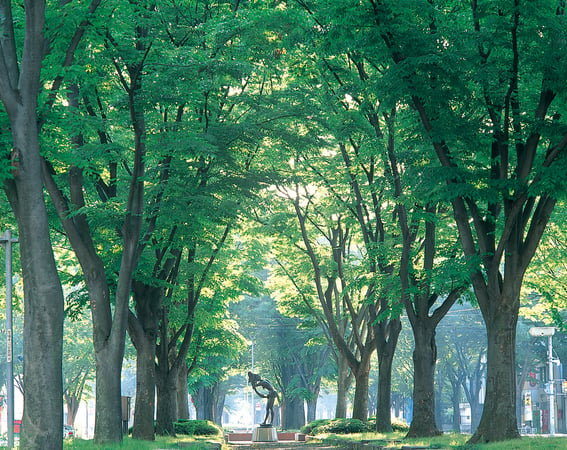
(197, 428)
(335, 426)
(347, 426)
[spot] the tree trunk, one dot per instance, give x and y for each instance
(386, 349)
(384, 398)
(43, 295)
(182, 393)
(72, 408)
(311, 409)
(456, 402)
(439, 401)
(293, 413)
(362, 376)
(219, 399)
(424, 358)
(42, 421)
(166, 382)
(498, 419)
(344, 380)
(145, 390)
(108, 412)
(142, 329)
(205, 403)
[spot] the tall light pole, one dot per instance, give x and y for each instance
(252, 390)
(7, 242)
(549, 332)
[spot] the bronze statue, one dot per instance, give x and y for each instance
(257, 382)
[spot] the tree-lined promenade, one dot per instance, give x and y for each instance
(177, 171)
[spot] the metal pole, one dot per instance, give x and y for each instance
(7, 241)
(551, 389)
(252, 393)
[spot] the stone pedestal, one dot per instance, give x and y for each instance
(265, 434)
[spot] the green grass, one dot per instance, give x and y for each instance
(450, 441)
(128, 443)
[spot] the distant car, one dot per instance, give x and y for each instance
(68, 432)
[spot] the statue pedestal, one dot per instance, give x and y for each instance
(265, 434)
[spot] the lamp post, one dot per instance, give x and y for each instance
(252, 390)
(7, 241)
(549, 332)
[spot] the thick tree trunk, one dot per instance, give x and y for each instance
(142, 329)
(205, 403)
(108, 408)
(456, 402)
(344, 380)
(293, 413)
(166, 384)
(311, 409)
(42, 421)
(384, 401)
(218, 406)
(386, 344)
(362, 376)
(145, 390)
(108, 413)
(498, 419)
(424, 358)
(182, 393)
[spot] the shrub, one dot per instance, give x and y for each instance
(336, 426)
(308, 428)
(196, 428)
(398, 425)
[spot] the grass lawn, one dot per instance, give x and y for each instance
(160, 443)
(388, 441)
(451, 441)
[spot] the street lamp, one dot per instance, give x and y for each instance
(7, 240)
(549, 332)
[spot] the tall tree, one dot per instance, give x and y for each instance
(488, 77)
(109, 318)
(20, 86)
(330, 254)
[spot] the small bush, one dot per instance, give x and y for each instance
(308, 428)
(335, 426)
(398, 425)
(197, 428)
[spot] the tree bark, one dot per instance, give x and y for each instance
(344, 380)
(456, 402)
(43, 298)
(166, 401)
(42, 420)
(293, 413)
(142, 329)
(143, 427)
(219, 397)
(108, 412)
(386, 342)
(361, 379)
(424, 358)
(182, 393)
(205, 403)
(311, 409)
(499, 413)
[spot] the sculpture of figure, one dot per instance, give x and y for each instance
(257, 382)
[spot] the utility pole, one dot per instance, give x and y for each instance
(7, 242)
(548, 332)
